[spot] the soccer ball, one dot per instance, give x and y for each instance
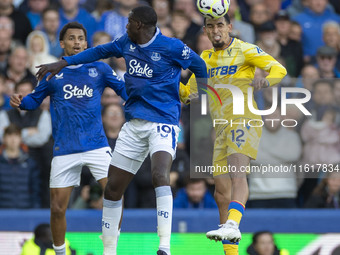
(213, 8)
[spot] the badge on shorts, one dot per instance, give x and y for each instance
(93, 72)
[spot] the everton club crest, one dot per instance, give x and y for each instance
(156, 56)
(93, 72)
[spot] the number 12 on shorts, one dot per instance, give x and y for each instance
(164, 130)
(238, 134)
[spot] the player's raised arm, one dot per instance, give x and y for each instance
(52, 68)
(255, 56)
(107, 50)
(111, 49)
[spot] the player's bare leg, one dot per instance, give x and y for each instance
(59, 202)
(222, 195)
(117, 182)
(240, 189)
(160, 169)
(239, 195)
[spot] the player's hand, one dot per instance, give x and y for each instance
(259, 83)
(15, 100)
(191, 98)
(52, 68)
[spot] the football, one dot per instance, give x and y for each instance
(213, 8)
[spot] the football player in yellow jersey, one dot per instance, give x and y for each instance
(233, 62)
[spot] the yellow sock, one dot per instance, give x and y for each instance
(235, 211)
(230, 248)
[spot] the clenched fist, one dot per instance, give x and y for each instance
(15, 100)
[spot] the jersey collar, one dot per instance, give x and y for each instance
(230, 43)
(151, 41)
(74, 66)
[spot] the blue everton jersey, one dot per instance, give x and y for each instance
(152, 74)
(75, 94)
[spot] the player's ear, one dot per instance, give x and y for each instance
(204, 30)
(85, 47)
(62, 45)
(139, 25)
(230, 27)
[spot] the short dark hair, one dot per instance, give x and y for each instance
(71, 25)
(12, 129)
(24, 81)
(146, 15)
(226, 17)
(41, 230)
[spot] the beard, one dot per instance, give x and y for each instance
(218, 45)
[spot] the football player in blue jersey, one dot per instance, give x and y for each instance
(78, 133)
(153, 64)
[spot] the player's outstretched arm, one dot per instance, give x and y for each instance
(33, 100)
(15, 100)
(107, 50)
(52, 68)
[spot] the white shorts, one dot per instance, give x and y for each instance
(138, 138)
(66, 169)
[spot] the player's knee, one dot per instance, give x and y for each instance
(112, 192)
(57, 210)
(160, 178)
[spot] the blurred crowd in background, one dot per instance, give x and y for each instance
(304, 35)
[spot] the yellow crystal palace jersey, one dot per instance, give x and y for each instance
(235, 65)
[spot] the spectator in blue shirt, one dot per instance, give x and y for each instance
(50, 26)
(114, 22)
(194, 195)
(36, 7)
(311, 21)
(70, 11)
